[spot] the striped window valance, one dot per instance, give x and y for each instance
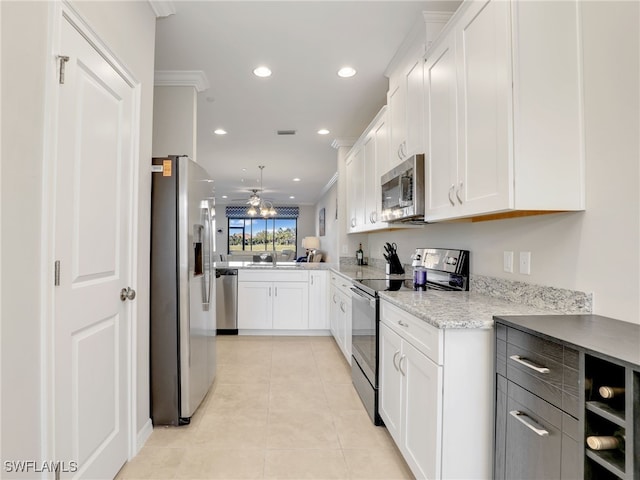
(235, 211)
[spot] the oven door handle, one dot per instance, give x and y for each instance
(364, 297)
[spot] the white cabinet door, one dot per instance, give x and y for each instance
(414, 79)
(484, 82)
(355, 190)
(255, 305)
(347, 328)
(318, 301)
(370, 210)
(421, 412)
(381, 133)
(441, 96)
(290, 306)
(390, 381)
(341, 327)
(334, 309)
(397, 122)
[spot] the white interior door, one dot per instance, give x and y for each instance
(92, 243)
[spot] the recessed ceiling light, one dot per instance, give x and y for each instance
(323, 131)
(225, 196)
(262, 72)
(346, 72)
(296, 179)
(220, 131)
(291, 197)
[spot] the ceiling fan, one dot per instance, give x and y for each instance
(259, 204)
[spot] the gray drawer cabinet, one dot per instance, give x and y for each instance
(537, 426)
(549, 372)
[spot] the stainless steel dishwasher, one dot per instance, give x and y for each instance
(227, 301)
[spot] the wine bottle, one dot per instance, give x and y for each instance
(610, 392)
(359, 255)
(607, 442)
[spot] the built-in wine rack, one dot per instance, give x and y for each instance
(611, 404)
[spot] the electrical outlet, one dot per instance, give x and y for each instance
(525, 263)
(508, 262)
(345, 249)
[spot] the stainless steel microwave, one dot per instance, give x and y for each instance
(403, 191)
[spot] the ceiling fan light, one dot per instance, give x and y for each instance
(272, 211)
(254, 200)
(252, 211)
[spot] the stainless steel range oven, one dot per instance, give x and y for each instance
(446, 270)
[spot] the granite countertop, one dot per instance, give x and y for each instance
(457, 309)
(443, 309)
(364, 272)
(615, 338)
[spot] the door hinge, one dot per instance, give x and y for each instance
(56, 274)
(63, 59)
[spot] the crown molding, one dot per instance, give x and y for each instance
(343, 142)
(329, 184)
(162, 8)
(181, 78)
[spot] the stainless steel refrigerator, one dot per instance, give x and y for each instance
(183, 312)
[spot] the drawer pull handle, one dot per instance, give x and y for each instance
(403, 357)
(395, 355)
(517, 358)
(402, 324)
(528, 423)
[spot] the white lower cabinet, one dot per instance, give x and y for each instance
(340, 314)
(318, 300)
(436, 395)
(410, 386)
(279, 304)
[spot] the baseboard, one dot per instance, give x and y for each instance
(288, 333)
(143, 435)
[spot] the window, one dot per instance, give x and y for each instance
(260, 234)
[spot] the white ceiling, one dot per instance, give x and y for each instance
(304, 43)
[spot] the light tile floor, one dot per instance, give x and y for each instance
(280, 408)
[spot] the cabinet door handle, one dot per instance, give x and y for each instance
(520, 360)
(269, 291)
(353, 222)
(458, 193)
(451, 188)
(342, 307)
(528, 423)
(395, 355)
(276, 289)
(311, 278)
(403, 357)
(334, 298)
(402, 324)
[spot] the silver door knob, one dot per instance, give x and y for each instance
(128, 292)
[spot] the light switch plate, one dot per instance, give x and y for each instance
(525, 263)
(508, 262)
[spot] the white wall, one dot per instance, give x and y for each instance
(329, 242)
(128, 28)
(593, 251)
(23, 75)
(174, 121)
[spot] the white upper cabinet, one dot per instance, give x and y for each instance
(405, 98)
(365, 165)
(503, 111)
(355, 189)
